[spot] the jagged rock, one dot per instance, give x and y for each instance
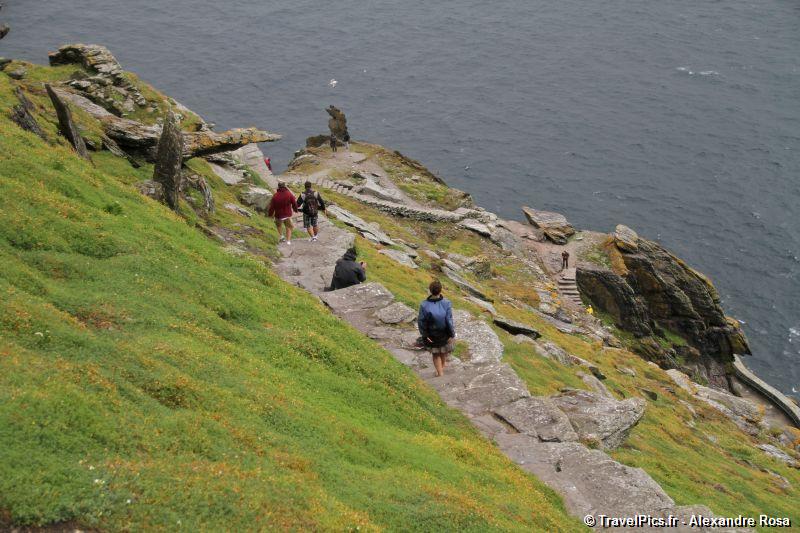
(483, 343)
(516, 328)
(550, 350)
(523, 339)
(400, 257)
(650, 394)
(397, 313)
(464, 284)
(482, 304)
(22, 115)
(452, 265)
(362, 226)
(151, 189)
(590, 481)
(777, 453)
(627, 371)
(478, 227)
(251, 156)
(554, 225)
(238, 210)
(626, 239)
(597, 417)
(409, 251)
(337, 124)
(4, 29)
(538, 417)
(595, 384)
(661, 291)
(461, 260)
(169, 159)
(256, 197)
(66, 124)
(4, 62)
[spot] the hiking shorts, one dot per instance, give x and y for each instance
(309, 221)
(442, 350)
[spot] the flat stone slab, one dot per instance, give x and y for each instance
(464, 284)
(589, 480)
(595, 416)
(369, 231)
(538, 417)
(397, 313)
(479, 389)
(475, 225)
(483, 344)
(358, 298)
(401, 257)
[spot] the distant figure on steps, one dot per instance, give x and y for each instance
(564, 260)
(333, 143)
(268, 162)
(282, 207)
(436, 326)
(310, 203)
(348, 272)
(346, 140)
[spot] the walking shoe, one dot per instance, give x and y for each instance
(282, 238)
(289, 242)
(313, 239)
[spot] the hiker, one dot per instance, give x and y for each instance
(333, 143)
(564, 260)
(436, 326)
(346, 140)
(268, 162)
(282, 207)
(310, 203)
(348, 272)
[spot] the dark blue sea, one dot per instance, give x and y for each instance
(679, 118)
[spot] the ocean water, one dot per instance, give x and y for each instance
(678, 118)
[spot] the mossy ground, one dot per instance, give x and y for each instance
(150, 380)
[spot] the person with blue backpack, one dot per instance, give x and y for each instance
(436, 327)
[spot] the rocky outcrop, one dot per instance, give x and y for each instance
(538, 417)
(596, 417)
(660, 292)
(372, 188)
(66, 125)
(369, 231)
(256, 197)
(169, 159)
(516, 328)
(401, 257)
(4, 29)
(22, 115)
(106, 85)
(554, 225)
(337, 124)
(626, 239)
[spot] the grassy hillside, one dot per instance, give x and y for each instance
(149, 379)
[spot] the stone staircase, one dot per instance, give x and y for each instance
(568, 288)
(540, 434)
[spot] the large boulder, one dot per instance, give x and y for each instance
(372, 188)
(256, 197)
(538, 417)
(482, 342)
(596, 417)
(554, 225)
(626, 239)
(369, 231)
(169, 159)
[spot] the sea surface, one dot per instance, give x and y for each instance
(679, 118)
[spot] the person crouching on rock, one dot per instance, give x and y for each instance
(436, 326)
(310, 203)
(282, 206)
(348, 272)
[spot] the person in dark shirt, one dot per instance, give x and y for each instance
(311, 203)
(564, 260)
(348, 272)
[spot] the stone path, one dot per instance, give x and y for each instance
(539, 434)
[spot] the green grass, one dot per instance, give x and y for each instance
(150, 380)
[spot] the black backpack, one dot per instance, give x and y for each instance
(311, 203)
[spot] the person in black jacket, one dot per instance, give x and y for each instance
(348, 272)
(310, 202)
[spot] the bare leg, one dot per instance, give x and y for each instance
(316, 230)
(438, 364)
(289, 227)
(310, 231)
(278, 225)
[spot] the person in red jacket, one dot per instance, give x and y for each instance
(282, 206)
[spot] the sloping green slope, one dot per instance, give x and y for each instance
(149, 379)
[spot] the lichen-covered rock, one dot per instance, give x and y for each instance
(401, 257)
(169, 159)
(478, 227)
(594, 416)
(366, 229)
(372, 188)
(464, 284)
(396, 313)
(516, 328)
(65, 123)
(626, 239)
(483, 344)
(479, 389)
